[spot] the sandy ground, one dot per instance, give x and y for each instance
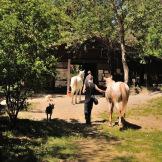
(66, 111)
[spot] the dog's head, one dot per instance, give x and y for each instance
(51, 105)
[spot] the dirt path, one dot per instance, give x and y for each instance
(66, 111)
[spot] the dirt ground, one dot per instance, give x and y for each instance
(66, 111)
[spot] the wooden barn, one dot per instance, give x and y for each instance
(103, 57)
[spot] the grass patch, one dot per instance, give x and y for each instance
(41, 141)
(137, 145)
(26, 150)
(55, 149)
(153, 107)
(105, 116)
(55, 141)
(133, 143)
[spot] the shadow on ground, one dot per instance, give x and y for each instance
(22, 142)
(27, 141)
(128, 125)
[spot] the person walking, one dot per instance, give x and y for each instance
(88, 76)
(89, 90)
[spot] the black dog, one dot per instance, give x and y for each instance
(49, 110)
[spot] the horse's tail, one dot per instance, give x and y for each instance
(124, 94)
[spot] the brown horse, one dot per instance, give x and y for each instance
(117, 94)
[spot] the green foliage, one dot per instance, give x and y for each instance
(144, 21)
(154, 41)
(28, 29)
(74, 70)
(88, 18)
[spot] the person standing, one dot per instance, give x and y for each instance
(89, 90)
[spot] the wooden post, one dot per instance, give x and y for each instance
(68, 76)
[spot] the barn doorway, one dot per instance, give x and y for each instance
(93, 68)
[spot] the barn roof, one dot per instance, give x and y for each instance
(100, 49)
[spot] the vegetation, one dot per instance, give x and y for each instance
(136, 145)
(38, 141)
(128, 23)
(28, 30)
(152, 108)
(144, 22)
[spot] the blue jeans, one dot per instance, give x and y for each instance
(87, 110)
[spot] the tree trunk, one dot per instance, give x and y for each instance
(120, 18)
(124, 62)
(123, 50)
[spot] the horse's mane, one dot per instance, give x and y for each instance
(81, 74)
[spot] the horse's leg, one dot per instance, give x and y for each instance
(80, 91)
(72, 96)
(123, 108)
(125, 96)
(118, 108)
(76, 95)
(110, 109)
(110, 114)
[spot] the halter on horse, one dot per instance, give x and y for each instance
(76, 86)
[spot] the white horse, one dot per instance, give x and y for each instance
(117, 94)
(76, 85)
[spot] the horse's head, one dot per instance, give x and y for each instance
(109, 80)
(81, 74)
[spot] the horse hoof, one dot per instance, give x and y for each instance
(120, 125)
(110, 125)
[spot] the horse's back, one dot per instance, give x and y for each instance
(76, 82)
(118, 91)
(118, 85)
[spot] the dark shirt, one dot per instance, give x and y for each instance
(90, 91)
(87, 78)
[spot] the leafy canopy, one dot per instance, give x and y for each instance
(28, 29)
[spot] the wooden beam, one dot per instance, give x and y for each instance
(68, 77)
